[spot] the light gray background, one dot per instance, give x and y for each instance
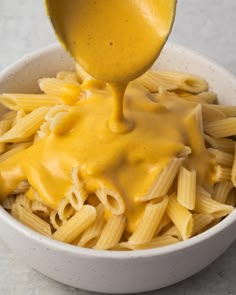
(208, 26)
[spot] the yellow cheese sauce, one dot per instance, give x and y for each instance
(126, 163)
(118, 141)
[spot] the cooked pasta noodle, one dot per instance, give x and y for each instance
(173, 232)
(65, 209)
(212, 207)
(221, 128)
(149, 222)
(221, 191)
(111, 201)
(33, 221)
(73, 227)
(222, 174)
(222, 158)
(181, 217)
(112, 232)
(223, 144)
(164, 180)
(200, 221)
(23, 201)
(211, 114)
(186, 193)
(28, 102)
(4, 127)
(26, 126)
(94, 231)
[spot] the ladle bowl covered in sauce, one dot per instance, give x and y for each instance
(114, 41)
(112, 271)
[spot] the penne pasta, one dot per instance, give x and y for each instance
(184, 81)
(221, 128)
(221, 191)
(164, 180)
(40, 209)
(186, 193)
(173, 232)
(65, 209)
(203, 98)
(55, 221)
(19, 115)
(195, 122)
(200, 221)
(164, 224)
(112, 201)
(211, 114)
(8, 202)
(111, 233)
(222, 158)
(148, 224)
(93, 232)
(185, 152)
(22, 187)
(229, 111)
(153, 82)
(23, 201)
(77, 193)
(54, 86)
(28, 102)
(154, 243)
(10, 115)
(33, 221)
(49, 117)
(231, 200)
(73, 227)
(26, 126)
(15, 210)
(77, 196)
(62, 123)
(222, 174)
(213, 223)
(233, 173)
(209, 206)
(206, 98)
(5, 125)
(181, 217)
(223, 144)
(51, 86)
(197, 116)
(202, 191)
(43, 132)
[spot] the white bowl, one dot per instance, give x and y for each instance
(116, 272)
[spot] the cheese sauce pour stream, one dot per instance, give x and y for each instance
(121, 144)
(114, 41)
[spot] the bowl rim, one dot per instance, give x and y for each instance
(111, 254)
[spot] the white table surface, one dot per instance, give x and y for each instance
(208, 26)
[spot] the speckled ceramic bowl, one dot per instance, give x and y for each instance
(116, 272)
